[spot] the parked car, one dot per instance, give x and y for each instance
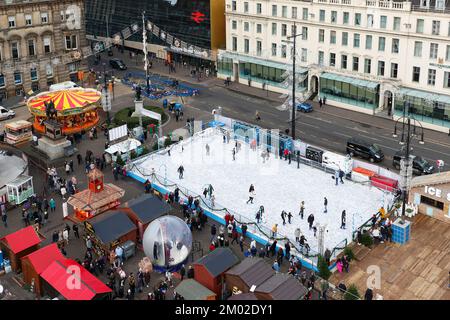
(420, 165)
(117, 64)
(304, 107)
(6, 113)
(364, 149)
(63, 86)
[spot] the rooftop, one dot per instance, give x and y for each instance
(218, 261)
(190, 289)
(148, 207)
(431, 179)
(22, 239)
(252, 271)
(111, 225)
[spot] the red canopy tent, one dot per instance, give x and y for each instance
(83, 285)
(19, 244)
(35, 263)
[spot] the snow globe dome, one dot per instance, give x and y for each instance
(167, 242)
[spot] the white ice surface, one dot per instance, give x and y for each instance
(278, 186)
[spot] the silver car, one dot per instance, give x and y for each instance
(6, 114)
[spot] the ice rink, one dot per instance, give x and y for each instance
(278, 186)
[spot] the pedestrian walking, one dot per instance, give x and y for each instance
(258, 217)
(289, 216)
(274, 230)
(207, 149)
(71, 165)
(75, 231)
(230, 230)
(302, 209)
(310, 221)
(67, 166)
(241, 243)
(45, 216)
(244, 230)
(336, 176)
(283, 214)
(5, 218)
(251, 196)
(182, 272)
(324, 100)
(52, 204)
(325, 204)
(320, 103)
(287, 250)
(210, 190)
(343, 219)
(341, 175)
(180, 171)
(297, 234)
(234, 154)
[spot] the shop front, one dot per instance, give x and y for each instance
(431, 193)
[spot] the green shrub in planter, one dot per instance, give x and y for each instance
(322, 265)
(349, 253)
(123, 117)
(352, 293)
(366, 239)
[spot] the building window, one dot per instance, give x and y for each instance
(2, 80)
(44, 18)
(394, 70)
(369, 42)
(333, 37)
(367, 65)
(419, 27)
(397, 22)
(344, 62)
(395, 45)
(304, 56)
(425, 4)
(274, 49)
(17, 78)
(283, 51)
(28, 20)
(417, 49)
(274, 10)
(284, 11)
(321, 35)
(448, 31)
(246, 45)
(305, 14)
(381, 68)
(440, 5)
(234, 46)
(436, 27)
(71, 42)
(294, 13)
(49, 70)
(357, 19)
(447, 53)
(322, 15)
(333, 16)
(12, 22)
(246, 26)
(381, 43)
(416, 74)
(332, 59)
(383, 22)
(258, 48)
(274, 29)
(321, 58)
(15, 54)
(1, 52)
(283, 30)
(245, 7)
(233, 5)
(304, 33)
(258, 8)
(344, 38)
(47, 47)
(346, 18)
(258, 28)
(446, 79)
(31, 48)
(369, 20)
(431, 202)
(431, 77)
(355, 64)
(434, 50)
(234, 24)
(33, 74)
(356, 40)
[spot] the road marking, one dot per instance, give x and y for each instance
(310, 125)
(342, 134)
(368, 137)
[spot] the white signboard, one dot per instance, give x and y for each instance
(151, 114)
(118, 132)
(436, 192)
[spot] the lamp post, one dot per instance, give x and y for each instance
(144, 47)
(107, 99)
(294, 53)
(409, 127)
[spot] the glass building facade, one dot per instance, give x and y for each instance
(188, 20)
(353, 91)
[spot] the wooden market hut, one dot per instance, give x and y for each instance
(250, 272)
(35, 263)
(111, 229)
(19, 244)
(144, 209)
(60, 273)
(281, 287)
(190, 289)
(209, 270)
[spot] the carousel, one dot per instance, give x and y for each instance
(74, 109)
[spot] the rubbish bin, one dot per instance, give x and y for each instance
(129, 249)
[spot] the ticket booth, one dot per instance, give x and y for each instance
(18, 132)
(20, 189)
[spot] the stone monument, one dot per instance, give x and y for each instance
(54, 144)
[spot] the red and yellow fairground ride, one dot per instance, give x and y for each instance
(75, 109)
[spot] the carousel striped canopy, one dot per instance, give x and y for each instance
(64, 100)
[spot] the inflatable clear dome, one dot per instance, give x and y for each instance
(167, 242)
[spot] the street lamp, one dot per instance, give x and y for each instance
(107, 99)
(409, 131)
(294, 53)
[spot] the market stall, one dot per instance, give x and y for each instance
(18, 132)
(20, 189)
(75, 109)
(124, 149)
(110, 230)
(248, 273)
(281, 287)
(36, 263)
(19, 244)
(190, 289)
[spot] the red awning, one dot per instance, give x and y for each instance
(43, 257)
(73, 281)
(22, 239)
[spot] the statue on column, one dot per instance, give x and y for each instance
(138, 93)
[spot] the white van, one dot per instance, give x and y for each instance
(337, 162)
(63, 86)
